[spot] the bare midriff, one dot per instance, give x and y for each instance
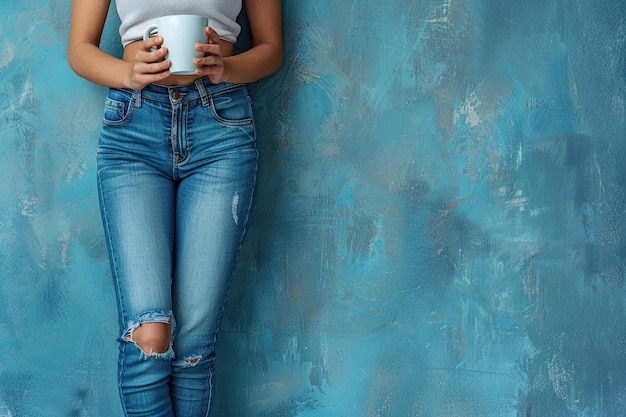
(131, 49)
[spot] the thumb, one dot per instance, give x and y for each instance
(213, 36)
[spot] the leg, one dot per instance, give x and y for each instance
(138, 215)
(213, 206)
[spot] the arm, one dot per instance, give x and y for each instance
(90, 62)
(263, 59)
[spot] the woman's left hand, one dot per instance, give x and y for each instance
(212, 63)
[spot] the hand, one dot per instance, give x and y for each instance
(149, 65)
(212, 64)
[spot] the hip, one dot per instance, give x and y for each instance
(197, 122)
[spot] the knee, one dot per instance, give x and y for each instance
(152, 337)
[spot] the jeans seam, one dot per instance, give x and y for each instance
(118, 292)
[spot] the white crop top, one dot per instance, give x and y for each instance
(137, 15)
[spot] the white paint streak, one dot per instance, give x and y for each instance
(65, 239)
(291, 353)
(4, 411)
(28, 208)
(519, 201)
(75, 169)
(561, 379)
(520, 157)
(8, 54)
(440, 13)
(469, 110)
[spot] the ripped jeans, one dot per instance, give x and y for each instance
(176, 176)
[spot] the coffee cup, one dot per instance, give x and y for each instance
(180, 34)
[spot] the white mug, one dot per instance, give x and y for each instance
(180, 34)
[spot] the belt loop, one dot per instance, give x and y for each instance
(137, 94)
(204, 96)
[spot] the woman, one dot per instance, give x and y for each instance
(177, 165)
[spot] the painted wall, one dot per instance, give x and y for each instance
(440, 228)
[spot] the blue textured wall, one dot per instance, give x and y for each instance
(440, 228)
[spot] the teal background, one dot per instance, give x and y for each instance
(439, 231)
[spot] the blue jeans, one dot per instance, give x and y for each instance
(176, 176)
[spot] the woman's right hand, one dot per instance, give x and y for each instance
(139, 66)
(149, 64)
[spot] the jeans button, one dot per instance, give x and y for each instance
(175, 94)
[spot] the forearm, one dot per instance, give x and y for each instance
(95, 65)
(254, 64)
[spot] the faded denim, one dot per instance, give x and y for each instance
(177, 169)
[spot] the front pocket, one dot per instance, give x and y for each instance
(232, 107)
(117, 108)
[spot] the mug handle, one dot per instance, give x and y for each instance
(148, 32)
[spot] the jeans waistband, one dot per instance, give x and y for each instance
(201, 88)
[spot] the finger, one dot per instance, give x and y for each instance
(213, 36)
(150, 56)
(215, 74)
(208, 60)
(152, 42)
(140, 80)
(208, 48)
(142, 70)
(156, 68)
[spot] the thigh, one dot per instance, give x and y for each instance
(137, 205)
(213, 206)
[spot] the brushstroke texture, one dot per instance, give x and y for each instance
(439, 228)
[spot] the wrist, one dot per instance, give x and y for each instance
(126, 79)
(227, 74)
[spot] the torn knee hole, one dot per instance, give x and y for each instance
(152, 337)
